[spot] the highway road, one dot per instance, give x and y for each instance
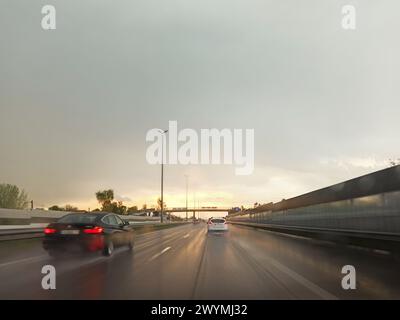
(187, 263)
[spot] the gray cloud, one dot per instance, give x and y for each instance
(75, 103)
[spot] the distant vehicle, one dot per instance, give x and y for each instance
(217, 224)
(88, 232)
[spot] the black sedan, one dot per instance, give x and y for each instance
(88, 232)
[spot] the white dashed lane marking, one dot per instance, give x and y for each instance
(159, 254)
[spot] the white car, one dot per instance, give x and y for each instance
(217, 224)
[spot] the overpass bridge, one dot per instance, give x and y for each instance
(188, 209)
(201, 209)
(192, 210)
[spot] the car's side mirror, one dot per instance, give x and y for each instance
(126, 223)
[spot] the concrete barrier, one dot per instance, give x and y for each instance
(27, 217)
(11, 216)
(364, 210)
(370, 214)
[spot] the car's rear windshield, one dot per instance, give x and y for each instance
(78, 218)
(217, 220)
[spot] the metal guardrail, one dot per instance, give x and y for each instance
(30, 233)
(374, 240)
(16, 234)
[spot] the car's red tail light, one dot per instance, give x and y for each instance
(94, 230)
(49, 230)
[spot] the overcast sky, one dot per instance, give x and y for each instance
(76, 102)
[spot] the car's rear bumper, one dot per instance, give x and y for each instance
(70, 244)
(211, 228)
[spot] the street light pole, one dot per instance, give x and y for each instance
(194, 206)
(187, 178)
(162, 175)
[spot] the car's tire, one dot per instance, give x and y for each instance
(131, 245)
(108, 249)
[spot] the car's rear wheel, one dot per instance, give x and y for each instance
(131, 245)
(108, 249)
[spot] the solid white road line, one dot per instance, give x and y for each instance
(159, 254)
(305, 282)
